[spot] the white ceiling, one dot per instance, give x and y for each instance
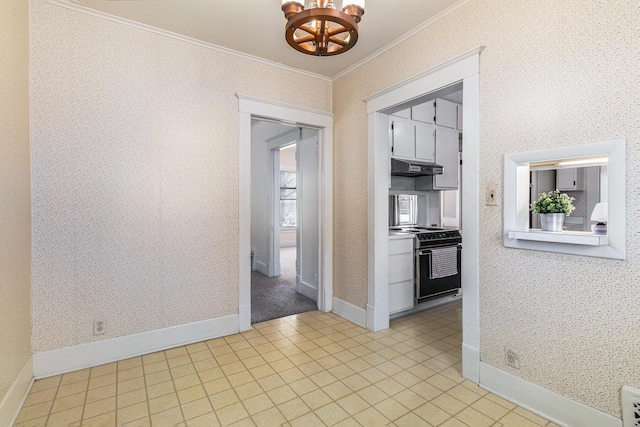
(256, 27)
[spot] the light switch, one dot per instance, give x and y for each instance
(492, 197)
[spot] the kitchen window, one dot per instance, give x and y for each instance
(287, 199)
(408, 209)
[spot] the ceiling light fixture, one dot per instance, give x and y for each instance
(322, 30)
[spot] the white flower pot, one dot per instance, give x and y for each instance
(552, 221)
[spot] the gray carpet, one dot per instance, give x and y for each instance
(272, 298)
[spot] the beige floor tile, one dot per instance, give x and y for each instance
(73, 388)
(65, 418)
(463, 394)
(337, 390)
(449, 404)
(248, 390)
(205, 365)
(262, 371)
(34, 411)
(128, 374)
(176, 352)
(132, 413)
(331, 414)
(168, 418)
(316, 399)
(293, 409)
(453, 422)
(73, 377)
(207, 420)
(240, 378)
(410, 399)
(223, 399)
(186, 381)
(197, 347)
(257, 404)
(268, 418)
(131, 398)
(515, 420)
(303, 386)
(411, 420)
(190, 394)
(372, 394)
(133, 362)
(210, 374)
(490, 408)
(155, 378)
(216, 386)
(38, 422)
(232, 413)
(40, 397)
(104, 420)
(196, 408)
(46, 383)
(432, 414)
(155, 367)
(68, 402)
(253, 361)
(473, 418)
(100, 370)
(183, 371)
(281, 394)
(391, 409)
(148, 359)
(162, 403)
(372, 417)
(391, 386)
(226, 358)
(161, 389)
(102, 381)
(291, 375)
(353, 404)
(308, 420)
(100, 407)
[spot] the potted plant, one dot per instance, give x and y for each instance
(553, 207)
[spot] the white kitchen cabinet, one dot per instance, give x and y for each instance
(447, 145)
(403, 140)
(401, 284)
(424, 113)
(425, 137)
(405, 114)
(570, 179)
(446, 113)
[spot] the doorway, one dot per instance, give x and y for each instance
(284, 219)
(254, 108)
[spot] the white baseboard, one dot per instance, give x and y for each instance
(244, 318)
(96, 353)
(470, 363)
(546, 403)
(350, 312)
(308, 291)
(16, 395)
(262, 267)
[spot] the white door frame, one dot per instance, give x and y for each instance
(465, 68)
(323, 121)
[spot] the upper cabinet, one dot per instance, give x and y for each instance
(570, 179)
(405, 114)
(441, 112)
(446, 113)
(447, 145)
(411, 140)
(424, 113)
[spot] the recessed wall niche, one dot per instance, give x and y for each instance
(517, 197)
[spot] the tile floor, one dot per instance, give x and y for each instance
(310, 369)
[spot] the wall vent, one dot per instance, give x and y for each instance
(630, 406)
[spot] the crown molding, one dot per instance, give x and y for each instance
(396, 42)
(69, 4)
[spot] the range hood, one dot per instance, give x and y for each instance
(414, 168)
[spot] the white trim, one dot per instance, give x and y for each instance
(516, 198)
(350, 312)
(465, 68)
(402, 38)
(16, 395)
(547, 404)
(67, 4)
(449, 72)
(574, 237)
(244, 318)
(263, 267)
(308, 290)
(249, 107)
(470, 363)
(96, 353)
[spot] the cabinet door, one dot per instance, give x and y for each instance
(425, 142)
(566, 179)
(447, 143)
(424, 112)
(405, 114)
(446, 113)
(403, 143)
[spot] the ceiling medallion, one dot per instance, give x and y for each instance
(322, 30)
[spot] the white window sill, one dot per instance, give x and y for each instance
(571, 237)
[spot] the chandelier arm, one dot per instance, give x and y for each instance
(308, 29)
(338, 40)
(305, 39)
(337, 30)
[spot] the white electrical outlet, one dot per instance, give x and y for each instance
(512, 358)
(99, 327)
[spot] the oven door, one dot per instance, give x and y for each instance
(427, 288)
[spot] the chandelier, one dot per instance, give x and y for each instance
(322, 30)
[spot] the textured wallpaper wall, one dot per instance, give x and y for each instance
(15, 216)
(134, 169)
(553, 74)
